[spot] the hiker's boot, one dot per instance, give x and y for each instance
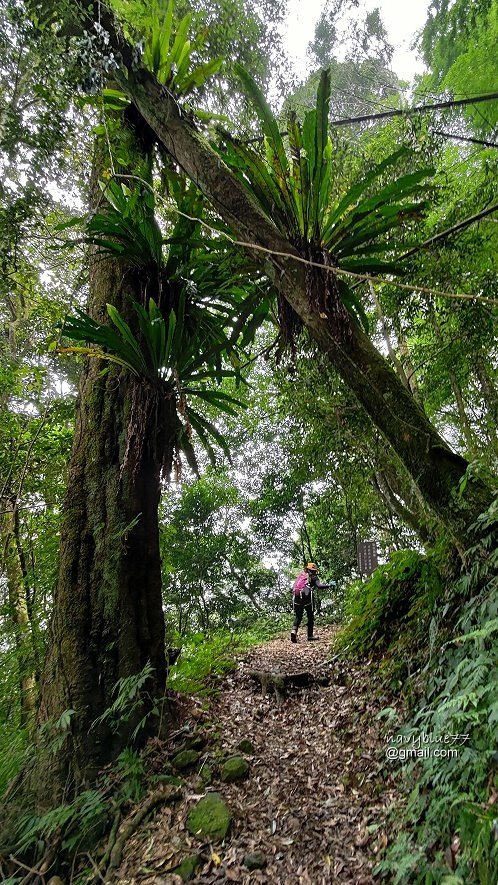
(312, 638)
(293, 635)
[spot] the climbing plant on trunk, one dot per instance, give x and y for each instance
(158, 325)
(435, 468)
(107, 621)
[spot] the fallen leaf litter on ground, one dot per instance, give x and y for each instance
(313, 808)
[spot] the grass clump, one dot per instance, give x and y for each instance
(204, 658)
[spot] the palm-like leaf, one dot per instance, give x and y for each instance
(296, 193)
(169, 53)
(115, 343)
(169, 354)
(183, 349)
(127, 229)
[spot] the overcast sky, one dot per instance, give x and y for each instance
(402, 19)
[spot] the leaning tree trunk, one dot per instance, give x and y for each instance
(108, 620)
(434, 467)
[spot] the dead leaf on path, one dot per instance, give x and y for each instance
(316, 799)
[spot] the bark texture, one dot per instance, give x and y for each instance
(108, 620)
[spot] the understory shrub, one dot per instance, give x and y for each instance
(204, 657)
(448, 829)
(393, 607)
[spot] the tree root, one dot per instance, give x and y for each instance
(35, 875)
(114, 852)
(279, 682)
(107, 854)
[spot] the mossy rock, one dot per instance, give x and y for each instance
(169, 779)
(186, 869)
(246, 746)
(236, 768)
(210, 818)
(206, 775)
(255, 860)
(196, 742)
(185, 759)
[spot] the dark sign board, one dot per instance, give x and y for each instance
(367, 557)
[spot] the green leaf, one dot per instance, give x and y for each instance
(300, 174)
(354, 194)
(114, 99)
(199, 76)
(270, 126)
(205, 428)
(180, 40)
(258, 179)
(127, 335)
(319, 163)
(76, 221)
(353, 304)
(156, 54)
(217, 398)
(97, 353)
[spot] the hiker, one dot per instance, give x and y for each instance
(304, 587)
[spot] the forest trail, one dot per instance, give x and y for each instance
(315, 798)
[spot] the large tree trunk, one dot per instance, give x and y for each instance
(108, 620)
(434, 467)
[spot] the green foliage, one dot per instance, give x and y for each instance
(354, 230)
(168, 350)
(223, 30)
(256, 631)
(454, 797)
(397, 600)
(128, 228)
(206, 658)
(129, 701)
(203, 660)
(169, 54)
(14, 742)
(130, 771)
(213, 574)
(54, 733)
(206, 311)
(458, 42)
(76, 821)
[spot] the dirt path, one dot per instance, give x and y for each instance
(315, 799)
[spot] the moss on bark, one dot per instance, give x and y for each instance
(108, 620)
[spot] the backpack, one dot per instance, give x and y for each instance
(300, 583)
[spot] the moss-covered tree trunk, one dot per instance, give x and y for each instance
(108, 619)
